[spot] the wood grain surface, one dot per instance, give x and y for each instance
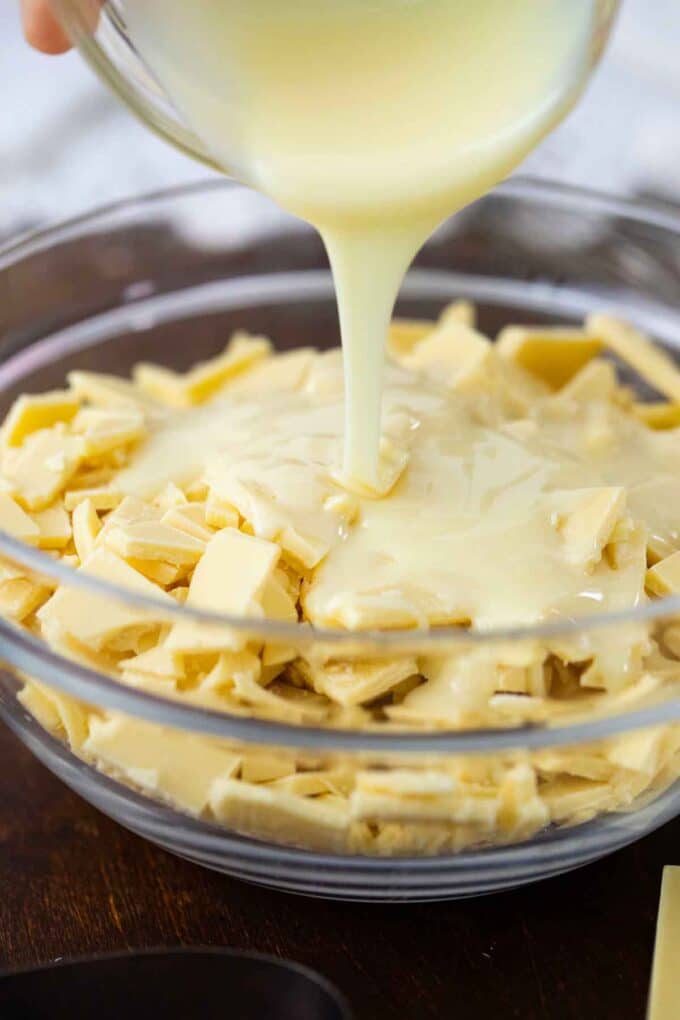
(577, 947)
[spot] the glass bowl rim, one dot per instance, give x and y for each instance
(658, 215)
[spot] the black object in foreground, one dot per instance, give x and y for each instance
(173, 984)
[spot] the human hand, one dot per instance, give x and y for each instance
(41, 27)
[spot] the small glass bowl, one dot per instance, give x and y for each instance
(166, 278)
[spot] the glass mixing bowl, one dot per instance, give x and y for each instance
(166, 278)
(103, 35)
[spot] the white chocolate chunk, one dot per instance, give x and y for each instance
(276, 601)
(100, 498)
(633, 347)
(16, 522)
(284, 372)
(21, 596)
(405, 334)
(274, 814)
(158, 661)
(663, 997)
(588, 526)
(111, 391)
(553, 354)
(658, 415)
(31, 412)
(154, 540)
(156, 757)
(86, 527)
(354, 683)
(233, 573)
(664, 577)
(204, 379)
(229, 579)
(571, 799)
(521, 811)
(106, 430)
(219, 514)
(54, 525)
(41, 468)
(59, 713)
(263, 768)
(95, 620)
(595, 381)
(190, 518)
(170, 496)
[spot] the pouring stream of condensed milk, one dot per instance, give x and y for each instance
(372, 119)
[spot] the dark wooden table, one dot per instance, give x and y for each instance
(574, 948)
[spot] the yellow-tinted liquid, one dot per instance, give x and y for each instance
(372, 119)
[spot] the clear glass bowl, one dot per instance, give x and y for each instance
(166, 278)
(102, 33)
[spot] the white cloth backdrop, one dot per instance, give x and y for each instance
(66, 144)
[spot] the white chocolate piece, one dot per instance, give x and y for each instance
(111, 391)
(658, 415)
(663, 997)
(197, 385)
(664, 577)
(54, 525)
(106, 430)
(86, 527)
(31, 412)
(587, 528)
(155, 758)
(154, 540)
(553, 354)
(633, 347)
(354, 683)
(229, 579)
(274, 814)
(16, 522)
(41, 468)
(94, 621)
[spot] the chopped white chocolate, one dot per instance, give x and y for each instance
(658, 415)
(204, 379)
(54, 525)
(31, 412)
(588, 526)
(219, 514)
(287, 371)
(230, 578)
(274, 814)
(633, 347)
(86, 527)
(20, 597)
(553, 354)
(663, 995)
(354, 683)
(41, 468)
(520, 484)
(77, 613)
(158, 757)
(664, 577)
(451, 346)
(190, 518)
(16, 522)
(110, 391)
(101, 499)
(595, 381)
(405, 334)
(106, 430)
(154, 540)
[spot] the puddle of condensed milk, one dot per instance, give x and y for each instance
(372, 119)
